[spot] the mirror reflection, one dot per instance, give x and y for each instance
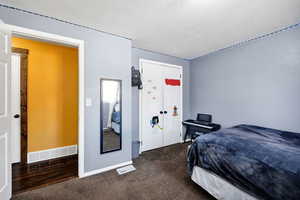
(111, 113)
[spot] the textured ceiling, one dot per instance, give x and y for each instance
(182, 28)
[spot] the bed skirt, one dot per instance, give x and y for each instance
(218, 187)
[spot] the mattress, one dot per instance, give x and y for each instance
(218, 187)
(260, 161)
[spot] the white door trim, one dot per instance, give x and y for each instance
(16, 30)
(141, 60)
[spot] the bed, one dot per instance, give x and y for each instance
(247, 162)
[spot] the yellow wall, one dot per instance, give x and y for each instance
(52, 94)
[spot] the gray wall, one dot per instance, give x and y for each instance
(257, 83)
(143, 54)
(105, 56)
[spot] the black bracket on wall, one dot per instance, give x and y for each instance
(136, 78)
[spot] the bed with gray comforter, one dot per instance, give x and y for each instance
(260, 161)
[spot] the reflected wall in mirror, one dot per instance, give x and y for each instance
(111, 115)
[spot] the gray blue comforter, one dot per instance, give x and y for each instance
(261, 161)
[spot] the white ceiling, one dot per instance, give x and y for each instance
(182, 28)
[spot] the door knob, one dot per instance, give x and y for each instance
(161, 112)
(165, 112)
(16, 116)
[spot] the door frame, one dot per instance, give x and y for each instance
(30, 33)
(141, 61)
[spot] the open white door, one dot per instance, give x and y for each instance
(5, 114)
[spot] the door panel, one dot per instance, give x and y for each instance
(4, 161)
(152, 102)
(3, 89)
(172, 98)
(5, 115)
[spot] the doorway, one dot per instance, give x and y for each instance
(19, 68)
(160, 105)
(45, 113)
(6, 31)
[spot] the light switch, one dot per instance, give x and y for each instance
(88, 102)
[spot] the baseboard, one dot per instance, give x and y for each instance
(51, 153)
(98, 171)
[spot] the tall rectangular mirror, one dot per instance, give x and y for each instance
(111, 115)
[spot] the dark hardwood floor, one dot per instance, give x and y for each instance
(31, 176)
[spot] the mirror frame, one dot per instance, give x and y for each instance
(101, 115)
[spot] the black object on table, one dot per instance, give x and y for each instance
(203, 124)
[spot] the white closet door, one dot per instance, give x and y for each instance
(172, 104)
(152, 104)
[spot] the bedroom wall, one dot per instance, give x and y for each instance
(106, 55)
(255, 83)
(138, 54)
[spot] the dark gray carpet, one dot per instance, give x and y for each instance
(160, 174)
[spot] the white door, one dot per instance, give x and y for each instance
(173, 106)
(15, 108)
(5, 114)
(161, 100)
(152, 104)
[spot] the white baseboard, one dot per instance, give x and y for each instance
(51, 153)
(98, 171)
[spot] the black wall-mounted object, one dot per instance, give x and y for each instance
(136, 78)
